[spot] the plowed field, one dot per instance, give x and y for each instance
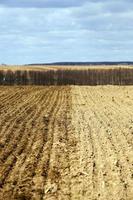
(66, 143)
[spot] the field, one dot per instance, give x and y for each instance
(66, 142)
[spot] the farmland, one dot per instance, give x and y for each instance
(66, 142)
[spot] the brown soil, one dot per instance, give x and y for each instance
(66, 143)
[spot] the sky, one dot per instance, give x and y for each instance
(42, 31)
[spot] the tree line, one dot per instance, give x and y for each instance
(114, 76)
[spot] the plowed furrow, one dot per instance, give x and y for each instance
(66, 143)
(112, 153)
(12, 122)
(117, 113)
(19, 150)
(111, 121)
(29, 171)
(14, 144)
(57, 178)
(124, 172)
(8, 105)
(10, 117)
(34, 156)
(12, 128)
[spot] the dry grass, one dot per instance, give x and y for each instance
(62, 67)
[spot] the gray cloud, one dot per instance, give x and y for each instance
(42, 3)
(66, 30)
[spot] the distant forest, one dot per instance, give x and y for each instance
(85, 63)
(91, 76)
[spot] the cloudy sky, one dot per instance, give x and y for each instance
(33, 31)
